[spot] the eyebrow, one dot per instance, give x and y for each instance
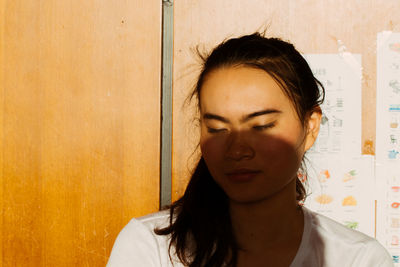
(210, 116)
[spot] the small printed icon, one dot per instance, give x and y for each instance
(395, 223)
(324, 199)
(395, 66)
(394, 107)
(395, 86)
(319, 71)
(323, 176)
(349, 201)
(393, 154)
(396, 258)
(395, 47)
(348, 176)
(395, 240)
(396, 189)
(351, 224)
(395, 205)
(394, 123)
(339, 102)
(337, 122)
(393, 139)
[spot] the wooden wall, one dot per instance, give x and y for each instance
(313, 26)
(79, 126)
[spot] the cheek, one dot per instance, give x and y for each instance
(279, 155)
(276, 151)
(211, 149)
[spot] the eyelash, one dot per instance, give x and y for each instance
(258, 128)
(212, 130)
(263, 127)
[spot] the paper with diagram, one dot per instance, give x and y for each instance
(388, 142)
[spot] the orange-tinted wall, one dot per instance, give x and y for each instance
(79, 126)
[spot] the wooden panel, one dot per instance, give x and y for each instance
(313, 26)
(79, 126)
(2, 54)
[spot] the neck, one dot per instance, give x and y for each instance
(268, 223)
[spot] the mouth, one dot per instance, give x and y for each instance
(242, 175)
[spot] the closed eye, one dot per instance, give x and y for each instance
(258, 128)
(212, 130)
(264, 127)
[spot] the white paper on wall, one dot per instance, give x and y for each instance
(388, 142)
(342, 188)
(340, 180)
(388, 210)
(340, 131)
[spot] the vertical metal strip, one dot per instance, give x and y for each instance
(166, 103)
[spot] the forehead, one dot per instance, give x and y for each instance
(238, 90)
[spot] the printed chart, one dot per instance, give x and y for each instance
(388, 142)
(340, 131)
(340, 180)
(342, 189)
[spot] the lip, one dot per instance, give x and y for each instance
(242, 175)
(242, 170)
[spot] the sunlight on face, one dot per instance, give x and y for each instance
(251, 137)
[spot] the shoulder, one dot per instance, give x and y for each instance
(137, 244)
(154, 220)
(339, 242)
(143, 227)
(323, 224)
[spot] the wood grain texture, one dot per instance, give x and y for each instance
(79, 126)
(2, 55)
(312, 26)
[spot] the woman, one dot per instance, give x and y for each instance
(259, 113)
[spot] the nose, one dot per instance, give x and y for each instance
(238, 149)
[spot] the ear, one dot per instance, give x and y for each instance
(313, 123)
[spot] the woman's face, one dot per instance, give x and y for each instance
(251, 137)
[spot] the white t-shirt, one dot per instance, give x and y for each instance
(324, 243)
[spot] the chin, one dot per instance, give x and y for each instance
(256, 193)
(243, 196)
(246, 201)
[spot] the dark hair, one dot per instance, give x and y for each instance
(200, 225)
